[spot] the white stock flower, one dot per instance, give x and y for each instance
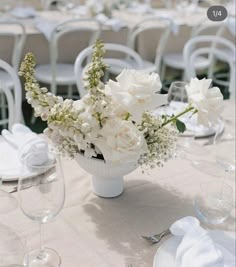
(135, 91)
(121, 141)
(208, 101)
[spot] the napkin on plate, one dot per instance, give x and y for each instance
(25, 141)
(23, 12)
(140, 9)
(45, 26)
(114, 23)
(197, 249)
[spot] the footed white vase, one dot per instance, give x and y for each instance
(107, 179)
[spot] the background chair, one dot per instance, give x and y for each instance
(16, 31)
(81, 62)
(62, 74)
(176, 60)
(191, 53)
(13, 97)
(163, 27)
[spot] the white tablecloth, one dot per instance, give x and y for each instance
(92, 231)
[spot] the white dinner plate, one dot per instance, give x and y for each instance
(165, 255)
(192, 126)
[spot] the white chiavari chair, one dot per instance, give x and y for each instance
(191, 52)
(176, 60)
(58, 73)
(163, 27)
(80, 67)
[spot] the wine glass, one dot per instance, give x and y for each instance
(177, 96)
(41, 194)
(214, 202)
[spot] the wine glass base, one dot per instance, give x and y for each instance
(46, 258)
(7, 202)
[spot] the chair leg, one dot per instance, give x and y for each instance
(70, 91)
(33, 119)
(3, 107)
(163, 71)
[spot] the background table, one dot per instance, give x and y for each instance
(92, 231)
(146, 45)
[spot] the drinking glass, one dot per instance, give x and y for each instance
(214, 202)
(177, 96)
(41, 194)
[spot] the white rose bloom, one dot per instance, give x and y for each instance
(121, 141)
(135, 91)
(208, 101)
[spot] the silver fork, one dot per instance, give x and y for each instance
(154, 239)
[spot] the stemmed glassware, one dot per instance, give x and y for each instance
(214, 202)
(177, 96)
(41, 193)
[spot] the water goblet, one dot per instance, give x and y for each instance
(214, 203)
(41, 193)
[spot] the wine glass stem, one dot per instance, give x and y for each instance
(41, 254)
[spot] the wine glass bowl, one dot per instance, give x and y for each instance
(41, 194)
(214, 202)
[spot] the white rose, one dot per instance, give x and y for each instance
(135, 91)
(208, 101)
(121, 141)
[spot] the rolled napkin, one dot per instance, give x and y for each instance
(197, 249)
(114, 23)
(26, 141)
(23, 12)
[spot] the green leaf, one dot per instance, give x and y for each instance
(180, 126)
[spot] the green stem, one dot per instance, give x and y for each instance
(179, 115)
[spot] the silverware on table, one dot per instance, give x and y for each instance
(154, 239)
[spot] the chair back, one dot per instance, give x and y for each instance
(212, 51)
(60, 31)
(14, 99)
(16, 30)
(161, 23)
(80, 67)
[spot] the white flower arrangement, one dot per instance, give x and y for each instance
(113, 121)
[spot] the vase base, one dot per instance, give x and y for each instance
(107, 188)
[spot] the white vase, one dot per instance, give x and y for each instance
(107, 179)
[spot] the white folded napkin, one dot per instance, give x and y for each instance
(23, 12)
(25, 141)
(140, 9)
(197, 249)
(45, 26)
(114, 23)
